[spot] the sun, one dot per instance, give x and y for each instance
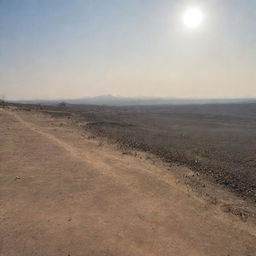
(193, 17)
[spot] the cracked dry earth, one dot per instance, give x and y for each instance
(64, 194)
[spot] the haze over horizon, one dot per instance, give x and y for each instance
(71, 49)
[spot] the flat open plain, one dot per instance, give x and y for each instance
(63, 193)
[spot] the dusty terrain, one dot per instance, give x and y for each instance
(217, 140)
(64, 192)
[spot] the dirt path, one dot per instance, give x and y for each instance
(63, 194)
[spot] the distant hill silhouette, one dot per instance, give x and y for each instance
(125, 101)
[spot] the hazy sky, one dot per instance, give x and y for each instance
(64, 48)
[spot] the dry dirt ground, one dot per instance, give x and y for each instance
(63, 193)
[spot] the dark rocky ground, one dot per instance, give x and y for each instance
(216, 140)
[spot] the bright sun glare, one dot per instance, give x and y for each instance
(193, 17)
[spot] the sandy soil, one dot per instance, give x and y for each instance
(63, 193)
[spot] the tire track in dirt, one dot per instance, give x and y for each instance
(49, 136)
(95, 160)
(72, 151)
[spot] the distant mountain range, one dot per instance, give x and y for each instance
(125, 101)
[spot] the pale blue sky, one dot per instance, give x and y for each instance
(69, 49)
